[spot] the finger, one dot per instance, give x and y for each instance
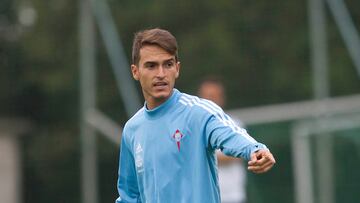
(264, 169)
(264, 158)
(261, 168)
(259, 165)
(267, 165)
(253, 159)
(267, 156)
(259, 157)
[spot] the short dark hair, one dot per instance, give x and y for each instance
(212, 79)
(156, 36)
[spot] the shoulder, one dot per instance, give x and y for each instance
(200, 105)
(134, 121)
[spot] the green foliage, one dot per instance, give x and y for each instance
(260, 48)
(276, 185)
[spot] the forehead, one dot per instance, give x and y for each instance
(211, 86)
(210, 90)
(154, 53)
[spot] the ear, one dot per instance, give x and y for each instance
(177, 69)
(135, 71)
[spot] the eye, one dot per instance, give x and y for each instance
(150, 65)
(169, 64)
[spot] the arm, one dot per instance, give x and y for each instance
(127, 180)
(234, 141)
(225, 160)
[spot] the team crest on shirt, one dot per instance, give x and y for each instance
(178, 137)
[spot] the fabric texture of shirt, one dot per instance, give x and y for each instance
(232, 178)
(168, 153)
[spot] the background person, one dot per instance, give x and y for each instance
(231, 172)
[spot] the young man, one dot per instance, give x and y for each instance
(168, 147)
(231, 171)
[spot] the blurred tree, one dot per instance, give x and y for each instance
(260, 48)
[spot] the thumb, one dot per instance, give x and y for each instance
(253, 158)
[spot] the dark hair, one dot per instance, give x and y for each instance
(213, 80)
(156, 36)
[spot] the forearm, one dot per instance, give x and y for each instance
(225, 160)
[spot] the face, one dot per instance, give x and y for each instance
(156, 72)
(213, 92)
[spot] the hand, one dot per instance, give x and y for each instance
(261, 161)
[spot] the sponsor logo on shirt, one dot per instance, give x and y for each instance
(139, 162)
(138, 148)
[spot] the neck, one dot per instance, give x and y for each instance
(152, 102)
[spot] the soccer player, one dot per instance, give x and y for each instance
(168, 147)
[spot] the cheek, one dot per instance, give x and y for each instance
(175, 75)
(144, 80)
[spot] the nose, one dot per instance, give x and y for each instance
(161, 72)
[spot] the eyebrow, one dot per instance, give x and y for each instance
(150, 63)
(170, 60)
(155, 62)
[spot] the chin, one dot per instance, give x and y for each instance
(162, 94)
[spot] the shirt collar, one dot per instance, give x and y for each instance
(161, 110)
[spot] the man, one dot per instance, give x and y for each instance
(232, 174)
(168, 147)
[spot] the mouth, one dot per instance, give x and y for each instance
(160, 84)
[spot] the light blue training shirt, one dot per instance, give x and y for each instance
(168, 153)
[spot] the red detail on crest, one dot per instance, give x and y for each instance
(177, 137)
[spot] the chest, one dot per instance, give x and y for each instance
(162, 144)
(158, 137)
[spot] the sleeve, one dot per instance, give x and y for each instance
(222, 133)
(127, 181)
